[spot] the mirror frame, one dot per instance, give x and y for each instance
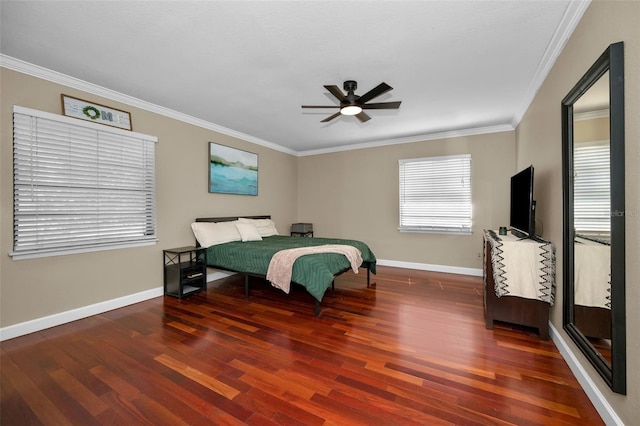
(611, 60)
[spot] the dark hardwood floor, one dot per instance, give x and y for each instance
(410, 350)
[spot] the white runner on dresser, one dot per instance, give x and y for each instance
(522, 267)
(592, 276)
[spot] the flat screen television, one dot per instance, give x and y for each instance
(522, 209)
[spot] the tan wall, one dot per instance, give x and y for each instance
(596, 129)
(354, 194)
(35, 288)
(539, 142)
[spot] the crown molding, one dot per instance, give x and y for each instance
(411, 139)
(75, 83)
(572, 15)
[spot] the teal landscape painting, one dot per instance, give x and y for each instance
(232, 171)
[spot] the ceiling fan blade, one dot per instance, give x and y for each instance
(363, 117)
(335, 91)
(320, 106)
(331, 117)
(382, 105)
(374, 93)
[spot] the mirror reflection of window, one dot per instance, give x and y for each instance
(591, 186)
(591, 159)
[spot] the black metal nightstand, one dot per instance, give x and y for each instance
(302, 229)
(185, 272)
(302, 234)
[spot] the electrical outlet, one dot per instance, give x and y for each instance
(479, 255)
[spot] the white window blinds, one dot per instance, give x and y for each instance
(435, 194)
(79, 186)
(592, 188)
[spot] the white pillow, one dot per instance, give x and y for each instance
(248, 232)
(266, 227)
(213, 233)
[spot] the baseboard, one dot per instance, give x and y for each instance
(429, 267)
(43, 323)
(596, 397)
(75, 314)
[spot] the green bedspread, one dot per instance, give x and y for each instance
(315, 271)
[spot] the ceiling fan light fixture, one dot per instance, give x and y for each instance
(351, 110)
(354, 105)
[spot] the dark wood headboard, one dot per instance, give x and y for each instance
(229, 218)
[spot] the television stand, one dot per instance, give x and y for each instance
(514, 309)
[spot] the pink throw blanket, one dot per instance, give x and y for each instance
(281, 265)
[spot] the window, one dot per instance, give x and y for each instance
(435, 194)
(79, 186)
(591, 186)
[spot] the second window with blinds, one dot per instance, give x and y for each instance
(435, 194)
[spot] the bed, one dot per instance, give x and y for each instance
(251, 256)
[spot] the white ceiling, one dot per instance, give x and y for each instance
(247, 66)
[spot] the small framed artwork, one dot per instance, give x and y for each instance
(232, 171)
(91, 111)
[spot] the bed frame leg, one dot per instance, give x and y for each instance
(317, 312)
(368, 276)
(246, 286)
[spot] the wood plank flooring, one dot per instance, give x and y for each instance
(410, 350)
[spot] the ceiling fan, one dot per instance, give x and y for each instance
(352, 104)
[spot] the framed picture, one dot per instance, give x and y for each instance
(232, 171)
(91, 111)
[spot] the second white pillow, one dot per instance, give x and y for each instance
(248, 232)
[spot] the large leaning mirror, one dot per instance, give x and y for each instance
(594, 216)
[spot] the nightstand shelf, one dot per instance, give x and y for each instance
(302, 234)
(185, 272)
